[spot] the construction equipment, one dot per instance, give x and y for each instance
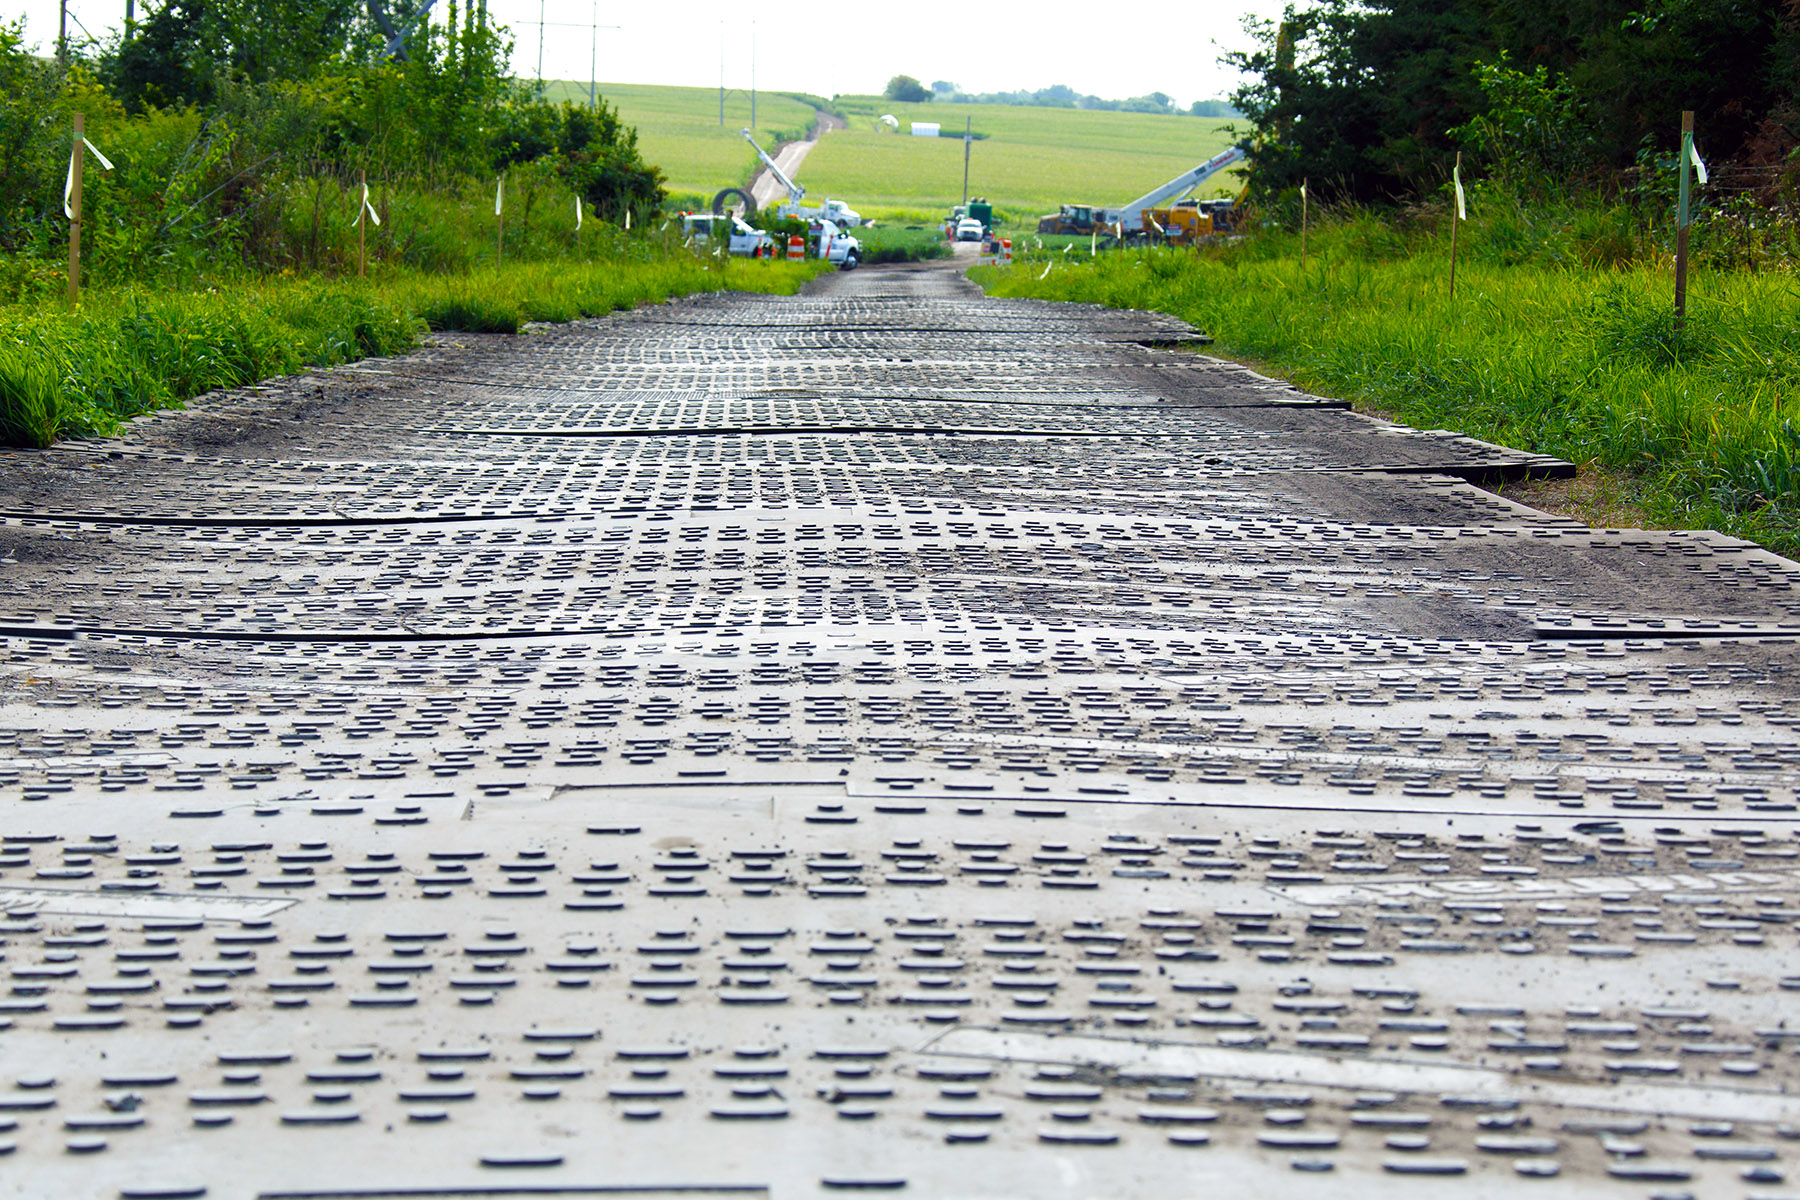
(1129, 220)
(396, 33)
(1071, 218)
(831, 243)
(708, 229)
(746, 201)
(835, 211)
(1190, 220)
(978, 209)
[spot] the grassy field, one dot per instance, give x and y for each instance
(897, 243)
(75, 374)
(1575, 361)
(1031, 160)
(678, 129)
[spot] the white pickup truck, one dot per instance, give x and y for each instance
(840, 214)
(702, 228)
(834, 245)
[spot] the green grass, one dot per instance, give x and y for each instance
(895, 243)
(1031, 161)
(1575, 361)
(679, 130)
(131, 351)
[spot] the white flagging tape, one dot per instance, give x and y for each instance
(1688, 148)
(628, 220)
(578, 214)
(1462, 207)
(367, 209)
(1047, 267)
(69, 177)
(499, 194)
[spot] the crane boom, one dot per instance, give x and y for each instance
(795, 192)
(1131, 215)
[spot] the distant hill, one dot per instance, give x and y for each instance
(1030, 158)
(679, 129)
(1061, 95)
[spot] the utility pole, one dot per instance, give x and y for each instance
(593, 52)
(130, 18)
(967, 142)
(541, 4)
(62, 36)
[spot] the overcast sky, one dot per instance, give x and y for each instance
(1173, 48)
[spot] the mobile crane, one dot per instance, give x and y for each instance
(1133, 218)
(835, 211)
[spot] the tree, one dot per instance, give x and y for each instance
(1155, 102)
(33, 149)
(181, 48)
(592, 149)
(167, 63)
(907, 90)
(1369, 99)
(941, 87)
(1213, 108)
(1360, 97)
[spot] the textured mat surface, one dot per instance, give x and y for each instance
(884, 739)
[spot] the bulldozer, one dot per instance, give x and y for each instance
(1073, 218)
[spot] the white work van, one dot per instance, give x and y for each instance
(702, 229)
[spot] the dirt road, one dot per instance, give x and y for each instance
(765, 189)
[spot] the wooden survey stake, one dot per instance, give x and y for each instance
(74, 209)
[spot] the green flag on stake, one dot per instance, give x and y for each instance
(1699, 163)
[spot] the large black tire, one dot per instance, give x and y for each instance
(849, 263)
(718, 204)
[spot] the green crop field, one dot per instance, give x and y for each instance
(678, 129)
(1031, 160)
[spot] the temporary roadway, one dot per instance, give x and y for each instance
(886, 739)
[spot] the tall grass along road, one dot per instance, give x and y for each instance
(135, 350)
(1573, 361)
